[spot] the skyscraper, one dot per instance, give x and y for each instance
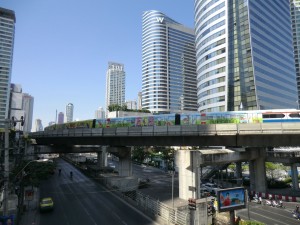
(69, 112)
(60, 119)
(244, 55)
(28, 101)
(168, 65)
(38, 125)
(115, 84)
(100, 113)
(7, 28)
(295, 16)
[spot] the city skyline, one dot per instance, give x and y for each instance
(58, 63)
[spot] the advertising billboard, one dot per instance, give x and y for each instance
(231, 199)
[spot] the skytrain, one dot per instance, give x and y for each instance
(197, 118)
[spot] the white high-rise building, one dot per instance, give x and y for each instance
(115, 84)
(7, 28)
(100, 113)
(139, 101)
(38, 125)
(131, 104)
(21, 105)
(28, 101)
(69, 112)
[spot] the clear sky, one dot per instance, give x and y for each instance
(62, 49)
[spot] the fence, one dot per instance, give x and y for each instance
(156, 208)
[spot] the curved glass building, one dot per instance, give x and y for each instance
(168, 65)
(244, 55)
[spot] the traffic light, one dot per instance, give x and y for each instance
(192, 204)
(22, 121)
(14, 122)
(210, 210)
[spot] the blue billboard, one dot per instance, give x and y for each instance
(231, 199)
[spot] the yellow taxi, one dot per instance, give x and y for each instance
(46, 204)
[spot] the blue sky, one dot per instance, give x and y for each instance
(62, 49)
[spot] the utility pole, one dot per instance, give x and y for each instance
(6, 168)
(8, 123)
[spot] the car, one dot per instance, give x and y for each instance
(46, 204)
(212, 188)
(204, 193)
(111, 165)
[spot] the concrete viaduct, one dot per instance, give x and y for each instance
(247, 142)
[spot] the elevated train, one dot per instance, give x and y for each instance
(251, 116)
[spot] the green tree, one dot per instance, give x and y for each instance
(270, 169)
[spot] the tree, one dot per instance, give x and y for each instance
(270, 169)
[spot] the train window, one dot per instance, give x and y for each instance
(294, 115)
(274, 115)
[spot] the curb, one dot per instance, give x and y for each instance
(279, 197)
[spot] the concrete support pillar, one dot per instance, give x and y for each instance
(102, 158)
(125, 164)
(294, 174)
(238, 173)
(257, 168)
(188, 174)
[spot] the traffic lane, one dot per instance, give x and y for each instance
(82, 201)
(268, 215)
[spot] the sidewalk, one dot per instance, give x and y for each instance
(30, 214)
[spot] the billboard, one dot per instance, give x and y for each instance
(231, 199)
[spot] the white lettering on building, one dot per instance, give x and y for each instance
(160, 19)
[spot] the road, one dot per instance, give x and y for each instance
(80, 200)
(269, 215)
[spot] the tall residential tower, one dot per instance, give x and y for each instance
(115, 84)
(7, 33)
(169, 65)
(69, 112)
(244, 55)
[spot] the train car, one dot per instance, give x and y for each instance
(137, 121)
(281, 116)
(72, 125)
(251, 116)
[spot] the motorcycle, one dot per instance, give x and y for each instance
(296, 215)
(280, 204)
(275, 204)
(268, 202)
(257, 200)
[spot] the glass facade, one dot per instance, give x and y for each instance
(244, 55)
(295, 16)
(7, 33)
(211, 52)
(169, 65)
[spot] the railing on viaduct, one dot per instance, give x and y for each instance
(255, 135)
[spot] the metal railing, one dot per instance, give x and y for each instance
(156, 208)
(191, 130)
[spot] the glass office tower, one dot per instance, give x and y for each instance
(168, 65)
(7, 33)
(295, 16)
(244, 55)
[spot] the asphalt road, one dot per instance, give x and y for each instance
(269, 215)
(82, 201)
